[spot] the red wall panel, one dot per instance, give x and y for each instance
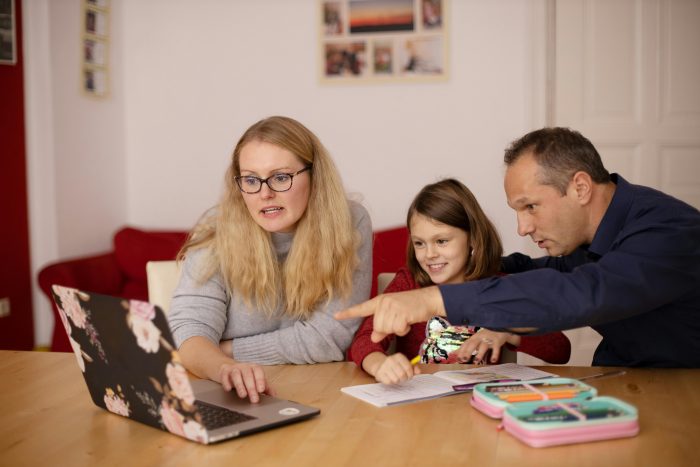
(16, 330)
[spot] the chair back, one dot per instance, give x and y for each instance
(162, 277)
(383, 279)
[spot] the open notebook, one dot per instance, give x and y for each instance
(441, 383)
(129, 361)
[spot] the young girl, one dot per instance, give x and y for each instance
(266, 269)
(451, 241)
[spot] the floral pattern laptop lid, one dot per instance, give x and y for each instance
(165, 399)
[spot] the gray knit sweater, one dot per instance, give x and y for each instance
(206, 310)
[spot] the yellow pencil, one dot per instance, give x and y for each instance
(415, 360)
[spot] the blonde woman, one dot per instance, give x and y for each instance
(266, 269)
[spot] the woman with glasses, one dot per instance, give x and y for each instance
(265, 270)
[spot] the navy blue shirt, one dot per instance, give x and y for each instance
(637, 284)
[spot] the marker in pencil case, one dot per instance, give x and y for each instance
(522, 388)
(470, 386)
(538, 397)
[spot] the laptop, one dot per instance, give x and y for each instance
(132, 368)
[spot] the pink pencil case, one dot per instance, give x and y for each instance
(551, 423)
(493, 398)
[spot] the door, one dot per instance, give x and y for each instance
(627, 76)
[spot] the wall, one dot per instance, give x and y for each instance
(75, 144)
(189, 77)
(197, 78)
(15, 278)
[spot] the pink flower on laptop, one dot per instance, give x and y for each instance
(179, 383)
(175, 423)
(77, 350)
(71, 306)
(195, 432)
(140, 321)
(173, 420)
(144, 310)
(115, 403)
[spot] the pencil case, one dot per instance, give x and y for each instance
(551, 423)
(493, 398)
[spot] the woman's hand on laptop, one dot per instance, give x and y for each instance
(208, 360)
(248, 379)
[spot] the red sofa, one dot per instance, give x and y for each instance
(122, 272)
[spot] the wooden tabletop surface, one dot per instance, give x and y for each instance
(47, 417)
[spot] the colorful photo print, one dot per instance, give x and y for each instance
(369, 16)
(431, 11)
(95, 81)
(345, 59)
(332, 18)
(383, 57)
(95, 22)
(98, 3)
(421, 56)
(94, 52)
(7, 32)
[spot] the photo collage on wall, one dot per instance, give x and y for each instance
(8, 48)
(95, 45)
(383, 40)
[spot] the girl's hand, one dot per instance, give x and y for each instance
(484, 341)
(248, 379)
(395, 369)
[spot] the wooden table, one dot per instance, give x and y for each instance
(47, 417)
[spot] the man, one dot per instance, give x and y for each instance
(624, 259)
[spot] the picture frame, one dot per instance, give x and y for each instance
(8, 33)
(383, 40)
(94, 73)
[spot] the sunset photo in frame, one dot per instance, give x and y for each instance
(382, 40)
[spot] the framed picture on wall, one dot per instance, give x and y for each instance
(8, 46)
(382, 40)
(95, 48)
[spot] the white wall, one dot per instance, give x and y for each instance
(188, 77)
(75, 144)
(196, 78)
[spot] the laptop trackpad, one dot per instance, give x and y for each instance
(212, 392)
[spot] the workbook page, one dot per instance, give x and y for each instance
(419, 387)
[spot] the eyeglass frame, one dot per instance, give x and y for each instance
(264, 180)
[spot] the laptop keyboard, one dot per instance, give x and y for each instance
(216, 417)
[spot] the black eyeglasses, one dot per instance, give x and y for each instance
(277, 182)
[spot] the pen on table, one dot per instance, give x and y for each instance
(415, 360)
(603, 375)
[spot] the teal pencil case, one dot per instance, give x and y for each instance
(552, 423)
(493, 398)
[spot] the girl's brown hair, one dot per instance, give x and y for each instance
(450, 202)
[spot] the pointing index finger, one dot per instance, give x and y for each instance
(360, 310)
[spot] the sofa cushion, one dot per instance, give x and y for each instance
(133, 248)
(390, 246)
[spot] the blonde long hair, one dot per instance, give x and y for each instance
(322, 258)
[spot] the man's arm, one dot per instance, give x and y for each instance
(648, 270)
